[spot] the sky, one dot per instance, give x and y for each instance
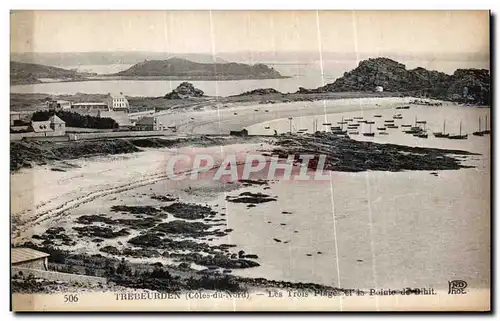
(417, 32)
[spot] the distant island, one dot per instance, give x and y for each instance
(169, 69)
(186, 69)
(27, 73)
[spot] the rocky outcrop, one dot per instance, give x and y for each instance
(465, 85)
(183, 91)
(260, 91)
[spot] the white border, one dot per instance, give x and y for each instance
(6, 5)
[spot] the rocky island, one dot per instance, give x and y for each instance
(177, 68)
(464, 86)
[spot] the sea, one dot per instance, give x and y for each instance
(307, 74)
(362, 230)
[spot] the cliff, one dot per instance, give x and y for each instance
(465, 85)
(177, 67)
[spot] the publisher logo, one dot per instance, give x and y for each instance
(457, 287)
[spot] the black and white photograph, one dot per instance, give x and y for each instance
(215, 160)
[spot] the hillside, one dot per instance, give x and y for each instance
(105, 58)
(26, 73)
(177, 67)
(465, 85)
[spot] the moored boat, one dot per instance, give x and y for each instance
(459, 136)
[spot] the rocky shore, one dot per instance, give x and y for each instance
(349, 155)
(27, 153)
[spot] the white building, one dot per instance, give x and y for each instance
(117, 102)
(379, 89)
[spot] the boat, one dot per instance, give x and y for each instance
(370, 122)
(348, 119)
(353, 133)
(267, 127)
(422, 133)
(369, 134)
(389, 121)
(413, 130)
(339, 132)
(383, 133)
(377, 116)
(362, 121)
(327, 124)
(303, 130)
(267, 110)
(442, 134)
(421, 122)
(358, 117)
(381, 128)
(406, 125)
(486, 131)
(341, 122)
(397, 117)
(459, 136)
(479, 132)
(335, 128)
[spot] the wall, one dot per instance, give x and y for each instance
(38, 136)
(83, 136)
(57, 276)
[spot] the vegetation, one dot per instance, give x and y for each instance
(183, 67)
(26, 73)
(73, 119)
(464, 86)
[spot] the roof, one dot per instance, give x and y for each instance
(119, 116)
(41, 126)
(89, 104)
(147, 120)
(117, 95)
(56, 120)
(18, 255)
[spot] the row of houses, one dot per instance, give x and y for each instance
(115, 106)
(112, 102)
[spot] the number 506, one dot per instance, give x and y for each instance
(71, 298)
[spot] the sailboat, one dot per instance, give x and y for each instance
(422, 133)
(486, 131)
(339, 130)
(479, 132)
(414, 129)
(370, 134)
(460, 136)
(443, 133)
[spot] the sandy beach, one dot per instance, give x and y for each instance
(360, 230)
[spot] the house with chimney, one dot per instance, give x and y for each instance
(55, 126)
